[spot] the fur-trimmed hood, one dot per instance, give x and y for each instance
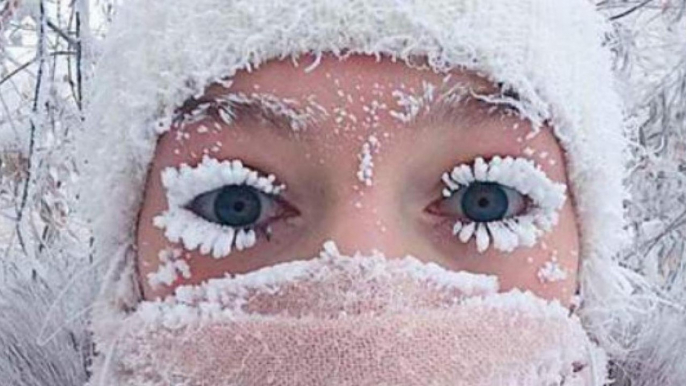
(45, 319)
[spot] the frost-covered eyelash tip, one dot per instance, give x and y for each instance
(185, 183)
(522, 175)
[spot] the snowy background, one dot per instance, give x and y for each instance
(48, 49)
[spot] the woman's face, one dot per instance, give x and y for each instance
(348, 113)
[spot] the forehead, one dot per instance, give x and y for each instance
(330, 111)
(354, 98)
(331, 77)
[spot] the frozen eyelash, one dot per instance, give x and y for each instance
(185, 183)
(522, 175)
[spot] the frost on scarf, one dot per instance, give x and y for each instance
(360, 320)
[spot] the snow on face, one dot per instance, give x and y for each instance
(362, 147)
(366, 170)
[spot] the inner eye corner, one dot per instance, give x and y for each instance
(287, 209)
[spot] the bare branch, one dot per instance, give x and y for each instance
(631, 10)
(35, 109)
(16, 71)
(7, 11)
(70, 40)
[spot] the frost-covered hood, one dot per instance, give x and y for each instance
(550, 53)
(160, 53)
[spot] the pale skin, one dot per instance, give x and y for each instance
(325, 198)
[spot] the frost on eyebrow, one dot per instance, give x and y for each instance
(460, 103)
(227, 108)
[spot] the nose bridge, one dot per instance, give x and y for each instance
(365, 225)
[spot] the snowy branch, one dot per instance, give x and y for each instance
(631, 10)
(34, 124)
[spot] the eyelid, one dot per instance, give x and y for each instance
(520, 174)
(186, 183)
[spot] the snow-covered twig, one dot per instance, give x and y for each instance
(33, 123)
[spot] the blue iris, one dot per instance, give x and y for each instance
(485, 201)
(238, 205)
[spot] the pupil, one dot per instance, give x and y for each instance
(238, 206)
(484, 202)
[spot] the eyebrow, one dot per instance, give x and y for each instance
(230, 108)
(467, 110)
(454, 107)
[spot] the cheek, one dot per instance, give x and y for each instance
(548, 269)
(150, 240)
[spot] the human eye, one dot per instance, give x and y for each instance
(219, 206)
(505, 202)
(236, 206)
